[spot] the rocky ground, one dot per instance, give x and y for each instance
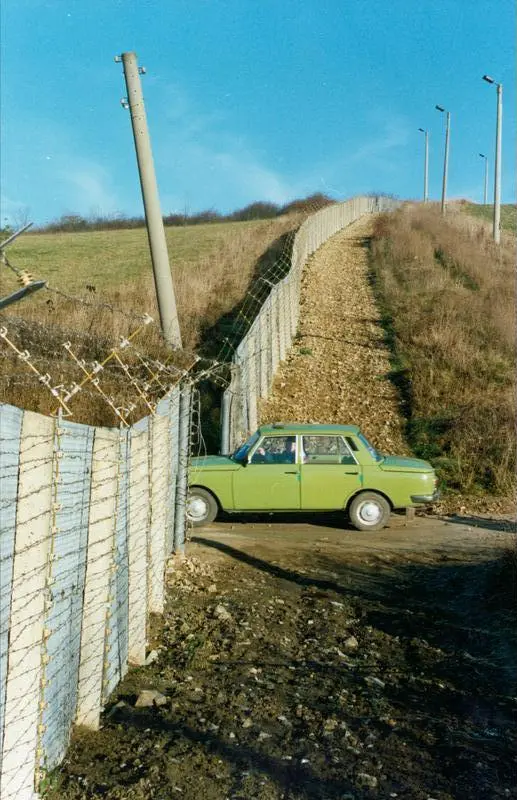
(307, 661)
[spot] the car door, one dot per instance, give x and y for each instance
(330, 472)
(270, 481)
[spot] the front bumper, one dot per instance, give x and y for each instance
(425, 499)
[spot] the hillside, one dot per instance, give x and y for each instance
(422, 357)
(508, 214)
(211, 264)
(100, 283)
(447, 301)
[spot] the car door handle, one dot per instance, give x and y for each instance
(291, 472)
(354, 472)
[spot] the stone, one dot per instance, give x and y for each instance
(151, 658)
(222, 613)
(367, 781)
(149, 698)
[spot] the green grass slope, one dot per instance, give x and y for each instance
(508, 214)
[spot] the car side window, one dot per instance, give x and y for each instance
(275, 450)
(326, 450)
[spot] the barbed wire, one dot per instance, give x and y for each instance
(94, 509)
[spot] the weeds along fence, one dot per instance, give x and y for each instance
(271, 333)
(88, 517)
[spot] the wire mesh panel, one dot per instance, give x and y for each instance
(185, 427)
(138, 534)
(25, 664)
(159, 478)
(72, 477)
(100, 562)
(276, 323)
(174, 421)
(10, 433)
(116, 650)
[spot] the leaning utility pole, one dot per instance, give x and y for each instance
(153, 216)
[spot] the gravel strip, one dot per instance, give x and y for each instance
(338, 369)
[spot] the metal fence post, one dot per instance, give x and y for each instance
(275, 337)
(225, 422)
(263, 352)
(180, 517)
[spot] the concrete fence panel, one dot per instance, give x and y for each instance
(88, 517)
(29, 597)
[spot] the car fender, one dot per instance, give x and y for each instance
(368, 489)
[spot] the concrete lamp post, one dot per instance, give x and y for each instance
(446, 154)
(426, 164)
(497, 166)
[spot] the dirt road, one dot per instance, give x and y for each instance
(303, 660)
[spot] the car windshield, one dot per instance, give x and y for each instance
(242, 451)
(371, 449)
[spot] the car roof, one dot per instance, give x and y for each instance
(290, 429)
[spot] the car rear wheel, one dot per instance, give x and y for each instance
(201, 507)
(369, 511)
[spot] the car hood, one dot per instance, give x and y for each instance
(213, 462)
(404, 464)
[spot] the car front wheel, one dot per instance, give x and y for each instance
(369, 511)
(201, 507)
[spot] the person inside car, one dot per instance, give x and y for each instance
(286, 456)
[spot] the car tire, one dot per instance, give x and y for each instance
(201, 508)
(369, 511)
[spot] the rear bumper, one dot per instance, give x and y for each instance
(425, 499)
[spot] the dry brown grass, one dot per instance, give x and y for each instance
(448, 299)
(211, 278)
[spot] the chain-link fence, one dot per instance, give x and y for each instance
(270, 336)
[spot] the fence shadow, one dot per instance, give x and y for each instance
(444, 677)
(221, 339)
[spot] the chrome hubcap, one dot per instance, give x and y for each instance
(197, 508)
(369, 512)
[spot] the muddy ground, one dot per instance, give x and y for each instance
(304, 660)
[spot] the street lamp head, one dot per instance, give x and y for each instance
(421, 129)
(482, 155)
(439, 108)
(488, 79)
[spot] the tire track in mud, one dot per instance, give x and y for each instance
(337, 371)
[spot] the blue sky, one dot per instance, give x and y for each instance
(249, 100)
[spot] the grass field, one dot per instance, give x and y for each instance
(212, 265)
(508, 214)
(448, 304)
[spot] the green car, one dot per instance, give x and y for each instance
(309, 468)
